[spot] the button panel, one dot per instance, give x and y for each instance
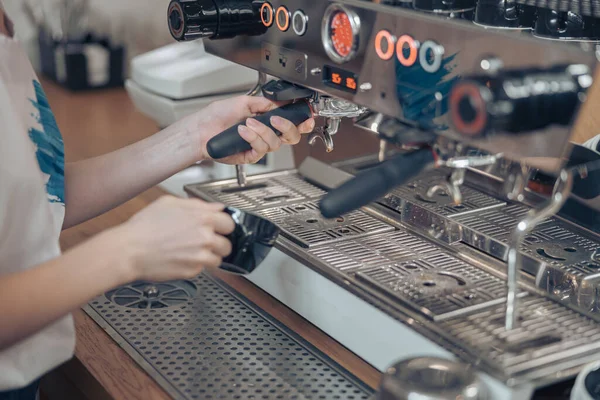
(284, 62)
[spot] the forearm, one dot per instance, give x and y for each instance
(61, 286)
(99, 184)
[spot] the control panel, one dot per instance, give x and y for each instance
(441, 74)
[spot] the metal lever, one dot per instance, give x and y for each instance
(560, 193)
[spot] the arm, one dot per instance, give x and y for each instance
(170, 239)
(96, 185)
(21, 294)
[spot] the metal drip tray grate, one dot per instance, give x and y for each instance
(260, 193)
(218, 345)
(441, 203)
(497, 223)
(383, 249)
(559, 246)
(304, 225)
(548, 333)
(439, 286)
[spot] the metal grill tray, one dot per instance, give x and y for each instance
(303, 224)
(415, 272)
(217, 344)
(261, 192)
(415, 193)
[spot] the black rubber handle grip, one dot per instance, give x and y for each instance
(229, 142)
(374, 183)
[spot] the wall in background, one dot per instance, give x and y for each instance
(139, 24)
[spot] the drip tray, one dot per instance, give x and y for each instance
(303, 224)
(414, 194)
(439, 286)
(261, 192)
(216, 344)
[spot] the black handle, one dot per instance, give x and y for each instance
(374, 183)
(229, 142)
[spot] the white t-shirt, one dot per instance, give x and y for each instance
(31, 206)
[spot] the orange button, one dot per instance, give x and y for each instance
(266, 14)
(389, 39)
(413, 46)
(282, 17)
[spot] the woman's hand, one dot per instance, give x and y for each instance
(223, 114)
(175, 239)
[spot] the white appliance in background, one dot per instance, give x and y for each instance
(177, 80)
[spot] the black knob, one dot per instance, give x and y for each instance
(504, 14)
(517, 101)
(214, 19)
(566, 26)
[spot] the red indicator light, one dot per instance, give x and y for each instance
(413, 48)
(384, 40)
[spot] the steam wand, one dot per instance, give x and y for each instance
(560, 193)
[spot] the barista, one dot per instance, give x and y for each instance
(40, 194)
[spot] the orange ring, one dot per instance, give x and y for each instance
(477, 126)
(414, 50)
(262, 18)
(390, 49)
(287, 18)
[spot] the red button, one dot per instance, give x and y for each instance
(389, 40)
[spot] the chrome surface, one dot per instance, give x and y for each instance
(464, 46)
(562, 190)
(215, 344)
(429, 378)
(397, 261)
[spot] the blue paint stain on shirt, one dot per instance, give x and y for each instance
(50, 148)
(417, 88)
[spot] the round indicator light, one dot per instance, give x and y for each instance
(384, 45)
(282, 18)
(468, 109)
(413, 50)
(430, 56)
(266, 14)
(300, 22)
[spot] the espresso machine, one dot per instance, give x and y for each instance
(461, 257)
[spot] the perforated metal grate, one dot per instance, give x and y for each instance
(303, 224)
(548, 332)
(219, 346)
(441, 203)
(351, 256)
(260, 193)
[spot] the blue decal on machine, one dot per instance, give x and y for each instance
(416, 90)
(50, 147)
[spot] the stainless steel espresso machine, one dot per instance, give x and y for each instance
(462, 258)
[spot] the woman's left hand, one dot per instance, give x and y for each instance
(221, 115)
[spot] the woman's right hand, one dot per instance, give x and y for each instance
(176, 238)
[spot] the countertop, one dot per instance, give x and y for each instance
(92, 124)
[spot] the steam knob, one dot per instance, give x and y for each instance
(214, 19)
(518, 101)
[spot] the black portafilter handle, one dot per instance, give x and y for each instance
(374, 183)
(229, 142)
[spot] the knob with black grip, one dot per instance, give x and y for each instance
(374, 183)
(517, 101)
(214, 19)
(229, 142)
